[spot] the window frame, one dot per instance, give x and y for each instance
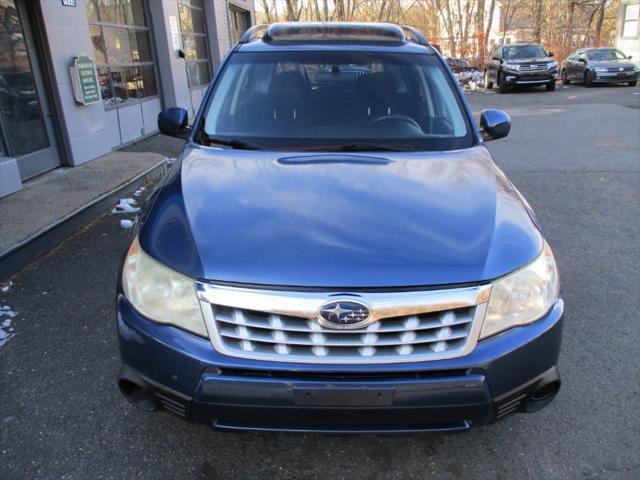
(236, 10)
(203, 35)
(625, 20)
(146, 63)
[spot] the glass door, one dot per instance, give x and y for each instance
(26, 123)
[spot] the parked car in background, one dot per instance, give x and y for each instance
(521, 64)
(467, 75)
(599, 65)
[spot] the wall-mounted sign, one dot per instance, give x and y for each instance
(86, 89)
(69, 3)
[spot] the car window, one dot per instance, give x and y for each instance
(523, 51)
(313, 100)
(606, 54)
(581, 54)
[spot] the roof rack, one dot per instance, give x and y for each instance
(334, 31)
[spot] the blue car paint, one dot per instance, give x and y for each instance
(179, 364)
(430, 218)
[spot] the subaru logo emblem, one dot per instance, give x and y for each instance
(343, 314)
(621, 69)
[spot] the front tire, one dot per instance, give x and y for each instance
(565, 78)
(550, 86)
(502, 85)
(488, 84)
(588, 79)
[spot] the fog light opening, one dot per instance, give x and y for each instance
(542, 396)
(138, 396)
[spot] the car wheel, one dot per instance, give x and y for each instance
(632, 84)
(565, 78)
(502, 85)
(588, 79)
(551, 86)
(488, 84)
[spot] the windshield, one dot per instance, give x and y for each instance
(523, 51)
(606, 54)
(308, 100)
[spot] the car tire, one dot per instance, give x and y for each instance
(588, 79)
(565, 78)
(502, 86)
(551, 86)
(632, 84)
(488, 84)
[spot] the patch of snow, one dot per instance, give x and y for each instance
(6, 330)
(139, 192)
(5, 288)
(126, 224)
(125, 205)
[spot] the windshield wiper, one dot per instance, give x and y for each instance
(233, 143)
(364, 147)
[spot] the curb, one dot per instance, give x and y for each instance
(18, 256)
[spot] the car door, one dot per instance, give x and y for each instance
(569, 65)
(580, 65)
(494, 64)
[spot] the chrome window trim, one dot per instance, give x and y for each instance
(307, 305)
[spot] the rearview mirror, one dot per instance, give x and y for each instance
(174, 121)
(630, 57)
(494, 124)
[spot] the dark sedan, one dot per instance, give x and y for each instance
(599, 65)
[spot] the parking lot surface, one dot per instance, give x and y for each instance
(575, 155)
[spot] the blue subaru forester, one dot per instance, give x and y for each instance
(336, 250)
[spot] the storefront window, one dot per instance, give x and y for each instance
(120, 35)
(21, 121)
(194, 41)
(239, 21)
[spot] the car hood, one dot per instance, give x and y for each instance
(341, 220)
(611, 63)
(529, 60)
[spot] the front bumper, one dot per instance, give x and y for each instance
(512, 77)
(615, 77)
(189, 378)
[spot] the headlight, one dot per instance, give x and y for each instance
(551, 65)
(511, 66)
(600, 69)
(523, 296)
(161, 294)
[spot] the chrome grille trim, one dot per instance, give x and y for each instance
(532, 68)
(282, 326)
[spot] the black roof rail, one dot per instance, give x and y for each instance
(254, 33)
(412, 34)
(324, 30)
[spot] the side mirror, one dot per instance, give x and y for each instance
(494, 124)
(550, 54)
(174, 122)
(630, 57)
(495, 58)
(582, 60)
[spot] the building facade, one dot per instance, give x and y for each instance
(628, 28)
(80, 78)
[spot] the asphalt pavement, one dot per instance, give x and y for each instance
(575, 155)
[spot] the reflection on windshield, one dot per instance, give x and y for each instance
(523, 51)
(606, 54)
(336, 101)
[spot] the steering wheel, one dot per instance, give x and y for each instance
(395, 118)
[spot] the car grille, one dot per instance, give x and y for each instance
(533, 67)
(626, 68)
(255, 334)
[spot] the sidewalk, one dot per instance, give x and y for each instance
(58, 203)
